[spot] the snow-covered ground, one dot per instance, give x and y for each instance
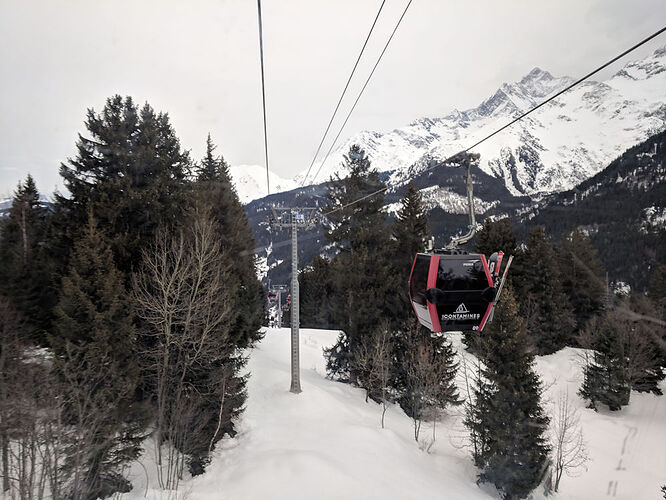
(327, 442)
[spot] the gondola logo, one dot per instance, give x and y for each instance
(461, 309)
(460, 314)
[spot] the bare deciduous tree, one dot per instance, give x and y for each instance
(372, 361)
(568, 445)
(184, 300)
(32, 431)
(429, 380)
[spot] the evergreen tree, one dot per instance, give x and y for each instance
(95, 343)
(424, 375)
(506, 416)
(131, 172)
(216, 191)
(647, 343)
(550, 320)
(315, 285)
(657, 290)
(364, 286)
(582, 276)
(495, 236)
(22, 268)
(657, 297)
(410, 231)
(605, 375)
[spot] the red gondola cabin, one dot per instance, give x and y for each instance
(454, 292)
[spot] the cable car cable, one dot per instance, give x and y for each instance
(335, 111)
(362, 89)
(263, 92)
(523, 115)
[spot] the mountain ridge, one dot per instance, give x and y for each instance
(552, 150)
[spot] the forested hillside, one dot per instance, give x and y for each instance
(622, 208)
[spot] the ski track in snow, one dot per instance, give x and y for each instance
(327, 442)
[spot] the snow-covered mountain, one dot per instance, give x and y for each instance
(250, 182)
(553, 149)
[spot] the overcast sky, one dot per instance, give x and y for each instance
(198, 60)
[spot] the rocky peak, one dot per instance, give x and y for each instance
(537, 74)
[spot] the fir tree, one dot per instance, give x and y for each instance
(657, 290)
(131, 172)
(22, 268)
(647, 343)
(628, 353)
(495, 236)
(410, 231)
(216, 191)
(582, 274)
(506, 416)
(550, 320)
(605, 376)
(315, 284)
(364, 286)
(95, 342)
(425, 371)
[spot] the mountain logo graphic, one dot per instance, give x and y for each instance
(461, 309)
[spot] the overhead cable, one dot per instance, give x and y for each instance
(337, 106)
(263, 93)
(362, 90)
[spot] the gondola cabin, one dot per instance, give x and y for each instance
(454, 292)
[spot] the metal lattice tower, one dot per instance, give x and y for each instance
(294, 218)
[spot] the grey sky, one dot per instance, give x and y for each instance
(198, 60)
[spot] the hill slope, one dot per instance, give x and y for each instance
(326, 443)
(623, 209)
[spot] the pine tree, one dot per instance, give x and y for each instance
(22, 269)
(647, 343)
(506, 416)
(216, 191)
(605, 375)
(131, 172)
(657, 298)
(582, 274)
(424, 375)
(657, 290)
(550, 320)
(410, 231)
(95, 343)
(315, 285)
(627, 353)
(364, 286)
(496, 236)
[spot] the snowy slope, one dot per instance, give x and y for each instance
(250, 182)
(327, 443)
(555, 148)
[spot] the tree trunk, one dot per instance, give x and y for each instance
(5, 460)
